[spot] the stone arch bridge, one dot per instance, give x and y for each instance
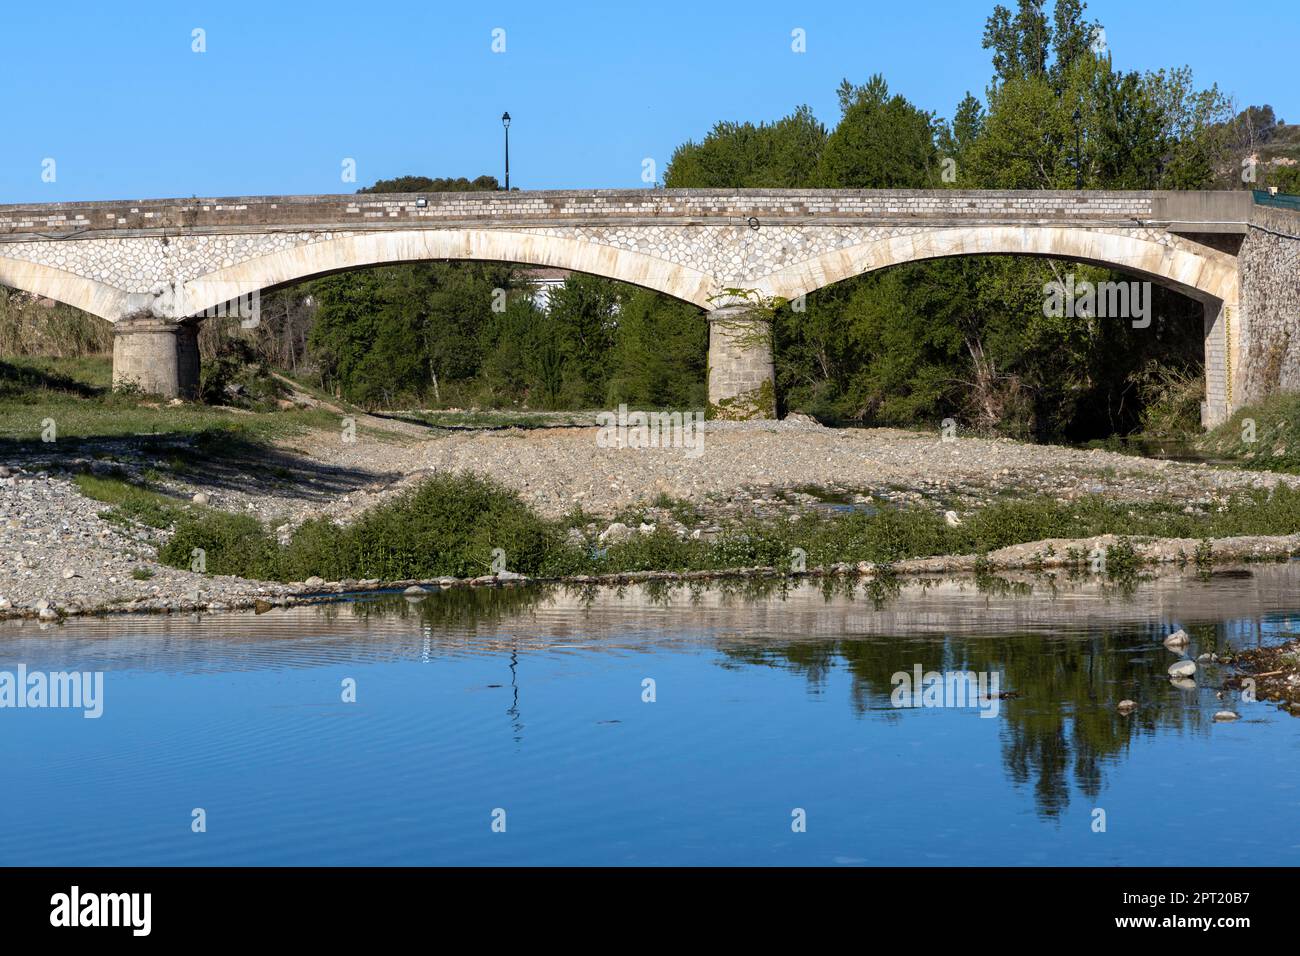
(154, 267)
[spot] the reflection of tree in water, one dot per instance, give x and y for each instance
(455, 607)
(1060, 728)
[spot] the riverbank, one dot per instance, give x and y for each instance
(116, 585)
(83, 518)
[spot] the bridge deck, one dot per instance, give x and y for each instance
(1214, 211)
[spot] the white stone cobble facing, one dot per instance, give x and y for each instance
(735, 254)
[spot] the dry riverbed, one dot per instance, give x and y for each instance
(59, 556)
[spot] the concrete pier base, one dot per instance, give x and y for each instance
(742, 380)
(157, 356)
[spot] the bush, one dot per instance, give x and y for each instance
(447, 525)
(1171, 401)
(231, 544)
(235, 376)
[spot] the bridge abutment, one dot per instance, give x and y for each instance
(157, 356)
(742, 379)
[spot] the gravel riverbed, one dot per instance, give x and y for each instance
(57, 554)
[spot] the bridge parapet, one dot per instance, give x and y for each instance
(639, 206)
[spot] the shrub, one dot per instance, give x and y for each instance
(231, 544)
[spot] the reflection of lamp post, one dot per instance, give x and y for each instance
(1078, 151)
(505, 121)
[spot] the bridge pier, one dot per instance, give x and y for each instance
(157, 356)
(742, 379)
(1218, 404)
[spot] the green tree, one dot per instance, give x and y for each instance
(582, 312)
(659, 354)
(881, 142)
(423, 184)
(767, 156)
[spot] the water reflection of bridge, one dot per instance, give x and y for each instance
(764, 612)
(1068, 649)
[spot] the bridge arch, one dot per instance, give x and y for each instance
(1207, 275)
(1202, 275)
(77, 291)
(362, 249)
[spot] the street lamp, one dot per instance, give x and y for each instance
(505, 121)
(1078, 150)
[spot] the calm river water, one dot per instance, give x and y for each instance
(738, 725)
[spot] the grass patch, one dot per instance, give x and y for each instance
(131, 503)
(682, 511)
(76, 395)
(1264, 436)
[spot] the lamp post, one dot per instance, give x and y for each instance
(1078, 150)
(505, 122)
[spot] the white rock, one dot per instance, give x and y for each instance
(1226, 715)
(646, 528)
(615, 532)
(1177, 639)
(201, 498)
(951, 518)
(1182, 669)
(314, 582)
(1126, 706)
(48, 614)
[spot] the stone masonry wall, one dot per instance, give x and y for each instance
(1269, 313)
(384, 210)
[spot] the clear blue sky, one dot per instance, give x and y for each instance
(286, 90)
